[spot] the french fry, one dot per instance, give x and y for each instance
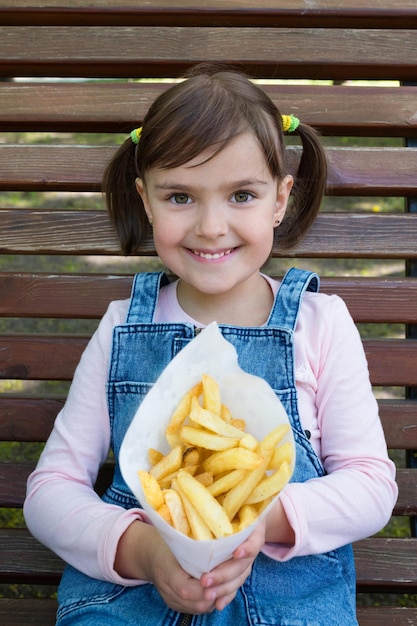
(151, 489)
(247, 514)
(198, 527)
(211, 394)
(191, 456)
(270, 485)
(226, 414)
(234, 458)
(199, 437)
(237, 496)
(209, 420)
(249, 442)
(154, 456)
(183, 409)
(273, 438)
(205, 478)
(214, 515)
(163, 511)
(168, 464)
(173, 439)
(165, 482)
(226, 482)
(176, 508)
(281, 453)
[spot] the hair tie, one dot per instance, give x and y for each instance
(135, 134)
(290, 123)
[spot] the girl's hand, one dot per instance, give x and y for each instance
(142, 554)
(221, 584)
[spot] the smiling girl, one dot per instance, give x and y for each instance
(206, 174)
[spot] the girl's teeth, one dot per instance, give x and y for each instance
(208, 255)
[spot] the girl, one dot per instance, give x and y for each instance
(207, 174)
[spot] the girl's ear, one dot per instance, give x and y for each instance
(141, 189)
(283, 193)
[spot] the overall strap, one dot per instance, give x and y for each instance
(286, 307)
(144, 296)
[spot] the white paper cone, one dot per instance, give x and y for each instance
(247, 396)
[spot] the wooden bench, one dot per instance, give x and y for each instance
(334, 41)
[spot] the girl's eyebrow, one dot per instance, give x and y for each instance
(250, 181)
(172, 185)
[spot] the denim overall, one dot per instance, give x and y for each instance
(314, 590)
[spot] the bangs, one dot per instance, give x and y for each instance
(208, 112)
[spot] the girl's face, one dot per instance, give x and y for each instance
(213, 220)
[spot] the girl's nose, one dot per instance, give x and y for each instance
(211, 221)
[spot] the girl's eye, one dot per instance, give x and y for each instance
(180, 198)
(242, 196)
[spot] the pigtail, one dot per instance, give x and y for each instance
(124, 204)
(308, 190)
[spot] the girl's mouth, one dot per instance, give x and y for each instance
(212, 256)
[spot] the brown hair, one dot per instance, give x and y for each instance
(208, 109)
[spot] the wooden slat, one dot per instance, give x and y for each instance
(116, 107)
(13, 480)
(392, 362)
(339, 235)
(61, 296)
(407, 498)
(50, 233)
(387, 616)
(385, 300)
(386, 565)
(27, 419)
(25, 560)
(42, 357)
(293, 13)
(167, 51)
(399, 420)
(352, 171)
(28, 612)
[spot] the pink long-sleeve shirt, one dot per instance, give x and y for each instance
(336, 404)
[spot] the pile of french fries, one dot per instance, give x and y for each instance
(216, 478)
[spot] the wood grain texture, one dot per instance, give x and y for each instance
(119, 107)
(131, 52)
(238, 13)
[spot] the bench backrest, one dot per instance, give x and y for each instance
(333, 43)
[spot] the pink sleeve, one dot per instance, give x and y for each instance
(356, 496)
(62, 509)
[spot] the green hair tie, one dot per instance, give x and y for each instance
(135, 134)
(290, 123)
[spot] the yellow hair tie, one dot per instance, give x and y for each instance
(290, 123)
(135, 134)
